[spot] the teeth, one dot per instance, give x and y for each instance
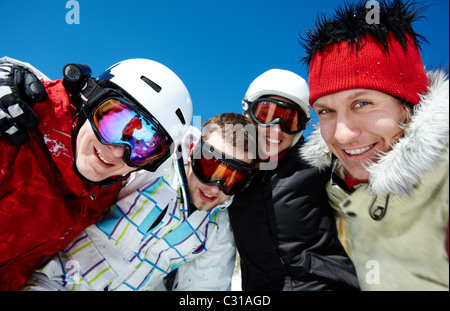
(273, 141)
(357, 151)
(207, 195)
(102, 158)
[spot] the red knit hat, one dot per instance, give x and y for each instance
(398, 71)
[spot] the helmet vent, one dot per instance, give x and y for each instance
(180, 116)
(152, 84)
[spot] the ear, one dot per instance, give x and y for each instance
(191, 150)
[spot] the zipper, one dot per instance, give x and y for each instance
(377, 212)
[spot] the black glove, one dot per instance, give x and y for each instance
(20, 89)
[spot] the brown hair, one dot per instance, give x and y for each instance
(235, 129)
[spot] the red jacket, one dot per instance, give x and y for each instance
(43, 203)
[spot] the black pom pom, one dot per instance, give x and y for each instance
(349, 23)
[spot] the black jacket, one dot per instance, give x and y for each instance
(285, 231)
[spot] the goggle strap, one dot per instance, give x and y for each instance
(184, 178)
(223, 157)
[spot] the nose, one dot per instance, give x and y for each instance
(116, 151)
(346, 130)
(273, 130)
(213, 190)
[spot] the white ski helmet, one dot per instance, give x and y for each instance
(158, 89)
(282, 83)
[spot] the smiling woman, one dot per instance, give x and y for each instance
(282, 222)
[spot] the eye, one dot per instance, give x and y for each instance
(361, 104)
(324, 111)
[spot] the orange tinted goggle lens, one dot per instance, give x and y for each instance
(265, 112)
(229, 178)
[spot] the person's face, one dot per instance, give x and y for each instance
(96, 161)
(272, 140)
(358, 125)
(206, 197)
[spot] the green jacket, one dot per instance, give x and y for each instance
(395, 227)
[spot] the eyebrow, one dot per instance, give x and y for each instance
(356, 94)
(348, 98)
(318, 105)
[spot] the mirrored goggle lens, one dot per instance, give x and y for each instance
(117, 123)
(266, 111)
(230, 178)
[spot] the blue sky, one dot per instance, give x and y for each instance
(216, 47)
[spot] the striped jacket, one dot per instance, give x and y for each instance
(128, 250)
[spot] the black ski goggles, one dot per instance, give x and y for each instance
(267, 111)
(119, 121)
(213, 167)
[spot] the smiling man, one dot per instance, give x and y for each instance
(384, 131)
(73, 165)
(220, 164)
(359, 125)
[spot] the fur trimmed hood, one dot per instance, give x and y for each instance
(425, 142)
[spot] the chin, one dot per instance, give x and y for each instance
(92, 178)
(360, 174)
(268, 153)
(90, 175)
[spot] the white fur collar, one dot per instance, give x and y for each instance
(425, 141)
